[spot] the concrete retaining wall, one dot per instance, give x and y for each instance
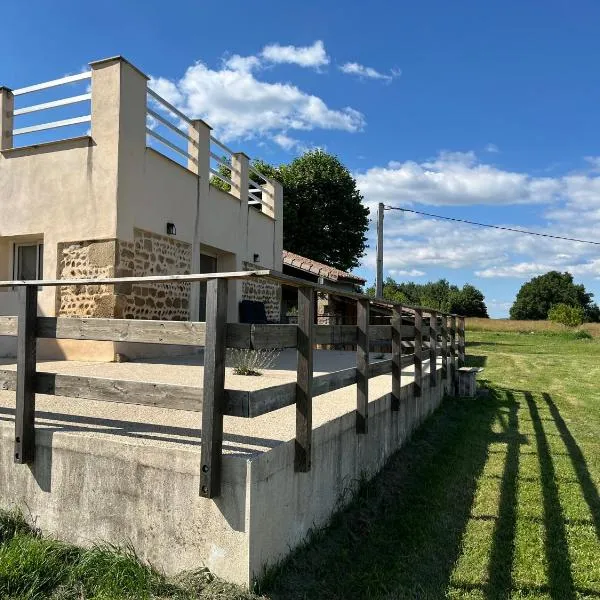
(285, 505)
(83, 489)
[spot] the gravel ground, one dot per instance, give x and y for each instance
(139, 424)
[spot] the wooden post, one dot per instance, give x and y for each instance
(444, 332)
(306, 319)
(396, 356)
(461, 341)
(432, 349)
(26, 375)
(362, 366)
(453, 369)
(418, 351)
(214, 388)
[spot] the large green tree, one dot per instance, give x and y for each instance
(323, 214)
(441, 295)
(537, 296)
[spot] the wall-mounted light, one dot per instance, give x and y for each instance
(256, 258)
(171, 229)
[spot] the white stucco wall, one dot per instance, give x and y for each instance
(51, 192)
(103, 186)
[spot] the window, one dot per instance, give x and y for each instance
(28, 261)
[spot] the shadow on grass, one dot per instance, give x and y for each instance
(500, 583)
(588, 487)
(473, 360)
(401, 536)
(560, 578)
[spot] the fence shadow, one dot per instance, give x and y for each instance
(190, 436)
(588, 487)
(560, 578)
(402, 534)
(503, 539)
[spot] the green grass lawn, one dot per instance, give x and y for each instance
(495, 497)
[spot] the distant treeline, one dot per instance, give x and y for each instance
(441, 295)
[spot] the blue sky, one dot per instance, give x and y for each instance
(478, 110)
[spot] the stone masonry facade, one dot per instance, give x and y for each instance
(86, 259)
(154, 254)
(264, 291)
(148, 254)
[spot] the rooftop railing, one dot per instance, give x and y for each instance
(168, 129)
(27, 115)
(417, 335)
(165, 119)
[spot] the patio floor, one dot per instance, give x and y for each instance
(145, 425)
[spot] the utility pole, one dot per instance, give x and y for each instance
(379, 279)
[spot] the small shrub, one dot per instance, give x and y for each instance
(31, 567)
(571, 316)
(581, 334)
(252, 362)
(12, 523)
(108, 571)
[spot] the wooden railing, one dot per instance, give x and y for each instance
(413, 337)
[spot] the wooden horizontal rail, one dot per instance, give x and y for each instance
(122, 330)
(276, 397)
(269, 274)
(188, 333)
(238, 403)
(161, 395)
(285, 336)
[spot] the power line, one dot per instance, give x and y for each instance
(546, 235)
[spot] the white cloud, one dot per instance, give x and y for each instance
(566, 206)
(242, 63)
(354, 68)
(526, 270)
(289, 143)
(240, 105)
(304, 56)
(406, 272)
(594, 162)
(454, 178)
(492, 148)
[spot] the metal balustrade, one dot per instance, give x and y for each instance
(31, 109)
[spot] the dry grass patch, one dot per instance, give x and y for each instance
(512, 326)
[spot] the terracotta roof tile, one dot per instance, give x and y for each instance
(321, 270)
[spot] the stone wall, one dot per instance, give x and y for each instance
(154, 254)
(264, 291)
(148, 254)
(86, 259)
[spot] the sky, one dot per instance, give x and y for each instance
(487, 111)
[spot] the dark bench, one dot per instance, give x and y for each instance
(253, 311)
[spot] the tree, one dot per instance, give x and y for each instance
(323, 214)
(468, 302)
(537, 296)
(440, 295)
(571, 316)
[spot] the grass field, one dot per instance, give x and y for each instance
(496, 497)
(510, 326)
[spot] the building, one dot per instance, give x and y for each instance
(129, 194)
(330, 308)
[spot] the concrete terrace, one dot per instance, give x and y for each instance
(153, 426)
